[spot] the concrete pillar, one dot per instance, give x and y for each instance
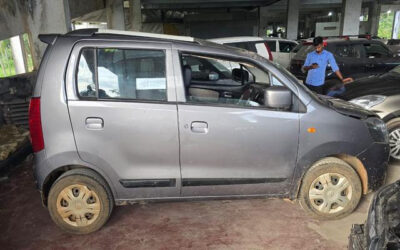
(292, 24)
(135, 17)
(373, 17)
(17, 50)
(115, 14)
(350, 23)
(396, 25)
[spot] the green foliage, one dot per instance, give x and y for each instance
(386, 25)
(7, 67)
(28, 52)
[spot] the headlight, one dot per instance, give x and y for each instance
(377, 129)
(368, 101)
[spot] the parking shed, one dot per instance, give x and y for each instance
(147, 189)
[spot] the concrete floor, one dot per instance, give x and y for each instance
(236, 224)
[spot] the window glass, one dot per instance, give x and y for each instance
(131, 74)
(375, 50)
(86, 78)
(348, 51)
(304, 50)
(272, 45)
(244, 45)
(286, 47)
(217, 80)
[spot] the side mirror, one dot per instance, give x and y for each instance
(213, 76)
(278, 97)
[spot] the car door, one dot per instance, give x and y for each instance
(349, 58)
(124, 117)
(231, 149)
(273, 46)
(379, 58)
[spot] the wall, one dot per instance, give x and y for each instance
(34, 17)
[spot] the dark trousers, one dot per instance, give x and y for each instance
(316, 89)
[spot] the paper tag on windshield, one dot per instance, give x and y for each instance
(150, 83)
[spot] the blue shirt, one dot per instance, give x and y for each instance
(316, 77)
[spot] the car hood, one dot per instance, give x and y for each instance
(347, 108)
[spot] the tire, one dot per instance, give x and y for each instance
(330, 201)
(394, 138)
(84, 199)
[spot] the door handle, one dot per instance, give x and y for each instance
(199, 127)
(228, 94)
(94, 123)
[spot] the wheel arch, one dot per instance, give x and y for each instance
(56, 173)
(353, 161)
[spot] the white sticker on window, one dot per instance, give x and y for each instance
(150, 83)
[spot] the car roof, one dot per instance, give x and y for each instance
(266, 38)
(236, 39)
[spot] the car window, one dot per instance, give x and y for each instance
(346, 50)
(86, 78)
(286, 47)
(250, 46)
(272, 45)
(125, 74)
(304, 50)
(375, 50)
(218, 80)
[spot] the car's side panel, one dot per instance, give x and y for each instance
(138, 140)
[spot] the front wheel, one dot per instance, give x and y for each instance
(394, 138)
(80, 202)
(331, 189)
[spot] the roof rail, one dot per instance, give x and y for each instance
(145, 34)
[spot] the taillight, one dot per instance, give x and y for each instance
(35, 125)
(269, 52)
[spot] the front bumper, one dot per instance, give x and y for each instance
(375, 159)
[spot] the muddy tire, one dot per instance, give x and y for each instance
(394, 138)
(331, 189)
(80, 201)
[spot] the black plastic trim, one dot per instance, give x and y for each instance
(142, 183)
(189, 182)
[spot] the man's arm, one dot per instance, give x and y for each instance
(307, 64)
(335, 68)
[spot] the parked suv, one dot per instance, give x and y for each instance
(119, 117)
(356, 58)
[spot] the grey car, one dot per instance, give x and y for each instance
(120, 117)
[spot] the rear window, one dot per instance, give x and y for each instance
(304, 50)
(122, 74)
(375, 50)
(250, 46)
(272, 45)
(286, 47)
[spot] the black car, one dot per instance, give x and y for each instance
(356, 58)
(382, 228)
(378, 93)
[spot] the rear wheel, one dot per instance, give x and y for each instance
(331, 189)
(80, 201)
(394, 138)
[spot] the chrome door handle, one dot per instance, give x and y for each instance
(94, 123)
(199, 127)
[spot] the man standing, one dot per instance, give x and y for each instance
(316, 64)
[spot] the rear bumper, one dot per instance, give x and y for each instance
(375, 160)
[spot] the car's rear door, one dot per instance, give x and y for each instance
(121, 99)
(285, 47)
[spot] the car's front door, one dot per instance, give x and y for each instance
(235, 148)
(124, 117)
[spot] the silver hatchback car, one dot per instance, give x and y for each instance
(119, 117)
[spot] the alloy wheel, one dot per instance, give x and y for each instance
(394, 143)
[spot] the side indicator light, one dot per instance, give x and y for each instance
(311, 130)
